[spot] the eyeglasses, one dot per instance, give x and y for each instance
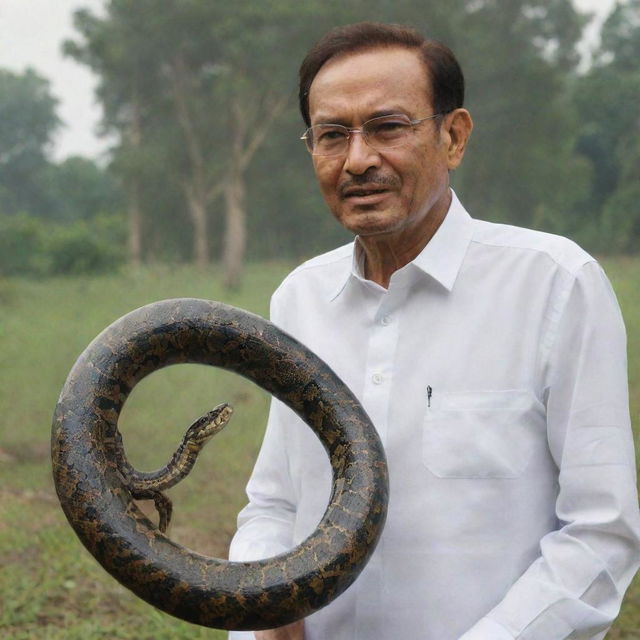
(384, 132)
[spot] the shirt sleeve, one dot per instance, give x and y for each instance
(574, 589)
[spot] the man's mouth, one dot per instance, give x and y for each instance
(363, 192)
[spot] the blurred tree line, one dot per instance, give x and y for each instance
(54, 217)
(200, 99)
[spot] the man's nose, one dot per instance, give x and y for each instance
(360, 155)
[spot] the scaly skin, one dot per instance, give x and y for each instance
(99, 504)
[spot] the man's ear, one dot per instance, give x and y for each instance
(459, 125)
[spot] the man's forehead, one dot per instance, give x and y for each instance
(372, 82)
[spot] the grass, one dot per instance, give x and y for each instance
(624, 274)
(50, 588)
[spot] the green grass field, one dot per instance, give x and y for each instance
(49, 585)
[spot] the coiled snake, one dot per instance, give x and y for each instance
(97, 497)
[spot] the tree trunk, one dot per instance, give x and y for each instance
(249, 130)
(198, 212)
(135, 225)
(235, 230)
(250, 122)
(198, 193)
(135, 205)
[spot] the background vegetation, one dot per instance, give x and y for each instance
(207, 166)
(206, 169)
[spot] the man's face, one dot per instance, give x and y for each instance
(381, 192)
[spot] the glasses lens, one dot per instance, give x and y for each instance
(327, 139)
(380, 133)
(387, 131)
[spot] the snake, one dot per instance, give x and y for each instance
(151, 485)
(99, 501)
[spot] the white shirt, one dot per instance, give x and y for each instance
(513, 510)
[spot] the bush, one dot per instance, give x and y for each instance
(81, 248)
(21, 245)
(621, 219)
(32, 246)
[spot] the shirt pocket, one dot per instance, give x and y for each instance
(481, 434)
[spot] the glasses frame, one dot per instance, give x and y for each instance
(361, 130)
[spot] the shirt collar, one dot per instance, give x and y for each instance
(441, 259)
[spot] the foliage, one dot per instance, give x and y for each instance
(33, 189)
(50, 588)
(193, 88)
(517, 57)
(79, 189)
(32, 246)
(607, 101)
(198, 82)
(21, 245)
(200, 100)
(86, 248)
(27, 123)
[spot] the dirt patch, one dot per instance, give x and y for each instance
(26, 453)
(203, 542)
(6, 457)
(37, 509)
(28, 495)
(194, 538)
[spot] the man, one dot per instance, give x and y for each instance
(491, 360)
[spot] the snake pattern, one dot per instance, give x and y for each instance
(150, 485)
(98, 501)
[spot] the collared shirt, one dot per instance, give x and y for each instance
(494, 370)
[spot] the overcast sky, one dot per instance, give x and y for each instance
(31, 32)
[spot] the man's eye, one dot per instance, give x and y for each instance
(388, 128)
(331, 135)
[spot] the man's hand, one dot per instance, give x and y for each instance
(293, 631)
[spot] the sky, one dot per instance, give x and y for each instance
(31, 34)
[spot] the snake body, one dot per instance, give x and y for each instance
(150, 485)
(99, 502)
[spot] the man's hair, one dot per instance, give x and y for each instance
(443, 70)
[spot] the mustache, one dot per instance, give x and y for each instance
(371, 179)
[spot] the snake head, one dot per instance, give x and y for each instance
(209, 424)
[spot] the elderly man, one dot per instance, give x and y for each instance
(491, 360)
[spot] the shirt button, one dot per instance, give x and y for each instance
(385, 320)
(377, 378)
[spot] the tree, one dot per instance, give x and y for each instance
(519, 58)
(117, 49)
(200, 97)
(28, 121)
(80, 190)
(65, 192)
(213, 79)
(606, 98)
